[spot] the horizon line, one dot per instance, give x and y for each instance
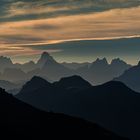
(92, 61)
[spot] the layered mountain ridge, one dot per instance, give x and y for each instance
(98, 72)
(112, 105)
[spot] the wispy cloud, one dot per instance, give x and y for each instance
(26, 24)
(112, 23)
(23, 9)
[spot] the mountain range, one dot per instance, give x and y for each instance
(97, 72)
(20, 120)
(100, 71)
(68, 88)
(112, 105)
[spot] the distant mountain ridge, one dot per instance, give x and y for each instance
(55, 70)
(26, 67)
(112, 105)
(98, 72)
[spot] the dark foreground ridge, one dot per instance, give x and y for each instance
(19, 119)
(113, 105)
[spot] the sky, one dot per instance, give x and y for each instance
(71, 30)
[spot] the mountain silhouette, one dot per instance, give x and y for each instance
(131, 78)
(39, 91)
(54, 70)
(118, 61)
(99, 63)
(73, 82)
(34, 84)
(26, 67)
(118, 66)
(45, 58)
(100, 71)
(18, 119)
(112, 105)
(5, 63)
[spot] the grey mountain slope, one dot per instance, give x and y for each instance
(26, 67)
(131, 78)
(5, 63)
(54, 70)
(47, 67)
(100, 71)
(75, 65)
(13, 74)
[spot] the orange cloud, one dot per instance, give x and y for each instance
(115, 23)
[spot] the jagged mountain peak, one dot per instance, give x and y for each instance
(117, 61)
(45, 55)
(5, 60)
(45, 58)
(101, 61)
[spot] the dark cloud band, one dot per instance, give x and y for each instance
(29, 9)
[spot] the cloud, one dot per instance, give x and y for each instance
(109, 24)
(23, 9)
(26, 25)
(89, 50)
(112, 23)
